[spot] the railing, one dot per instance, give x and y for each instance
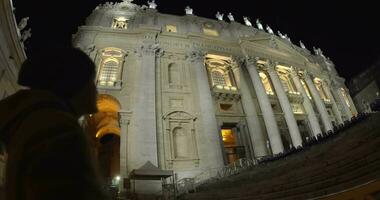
(187, 185)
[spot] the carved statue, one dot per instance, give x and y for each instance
(230, 17)
(302, 45)
(219, 16)
(269, 29)
(247, 22)
(188, 10)
(281, 35)
(287, 38)
(23, 23)
(259, 25)
(26, 35)
(318, 51)
(152, 4)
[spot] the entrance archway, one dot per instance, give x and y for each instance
(104, 130)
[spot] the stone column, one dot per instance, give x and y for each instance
(319, 103)
(246, 141)
(311, 116)
(337, 114)
(355, 112)
(257, 134)
(285, 105)
(211, 134)
(142, 144)
(123, 122)
(346, 109)
(266, 108)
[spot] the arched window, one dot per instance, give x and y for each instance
(173, 73)
(110, 67)
(287, 83)
(306, 88)
(319, 85)
(346, 100)
(219, 71)
(266, 83)
(218, 78)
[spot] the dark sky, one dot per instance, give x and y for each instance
(346, 31)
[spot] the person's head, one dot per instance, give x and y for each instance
(67, 72)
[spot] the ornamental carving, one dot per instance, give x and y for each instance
(148, 50)
(196, 55)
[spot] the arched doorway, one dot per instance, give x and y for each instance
(109, 155)
(104, 130)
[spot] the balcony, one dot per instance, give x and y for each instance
(109, 85)
(225, 93)
(294, 97)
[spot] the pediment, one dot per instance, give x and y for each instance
(179, 115)
(276, 45)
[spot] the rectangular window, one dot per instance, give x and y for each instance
(171, 28)
(120, 23)
(210, 32)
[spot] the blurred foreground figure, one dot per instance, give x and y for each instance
(48, 154)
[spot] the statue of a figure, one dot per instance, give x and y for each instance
(302, 45)
(230, 17)
(259, 25)
(26, 35)
(219, 16)
(318, 51)
(287, 37)
(152, 4)
(247, 22)
(281, 35)
(188, 10)
(23, 23)
(127, 4)
(269, 29)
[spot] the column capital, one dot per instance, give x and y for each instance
(196, 55)
(271, 65)
(253, 59)
(147, 49)
(237, 61)
(124, 117)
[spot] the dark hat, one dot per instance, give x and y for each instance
(64, 71)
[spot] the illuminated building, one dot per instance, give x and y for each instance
(192, 94)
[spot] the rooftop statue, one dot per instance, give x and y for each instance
(281, 35)
(23, 23)
(269, 29)
(188, 10)
(302, 45)
(26, 35)
(152, 4)
(125, 4)
(247, 22)
(230, 17)
(259, 25)
(219, 16)
(287, 37)
(318, 51)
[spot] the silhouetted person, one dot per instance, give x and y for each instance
(48, 152)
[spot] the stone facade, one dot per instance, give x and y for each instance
(196, 94)
(11, 56)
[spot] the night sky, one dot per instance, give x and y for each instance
(346, 31)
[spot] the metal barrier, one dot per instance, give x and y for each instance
(187, 185)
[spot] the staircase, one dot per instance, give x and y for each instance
(350, 159)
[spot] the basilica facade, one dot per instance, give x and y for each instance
(191, 94)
